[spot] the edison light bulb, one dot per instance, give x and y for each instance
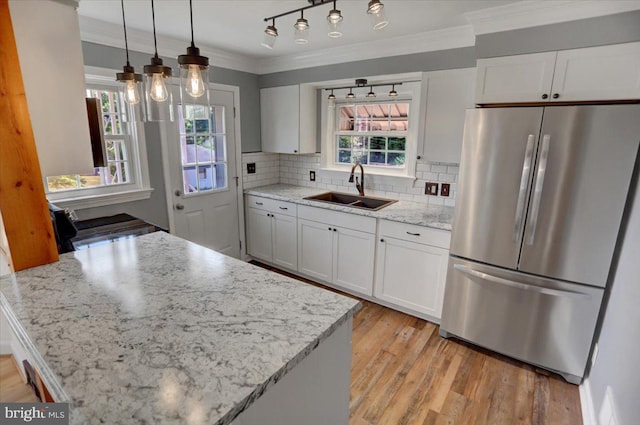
(195, 84)
(158, 88)
(131, 93)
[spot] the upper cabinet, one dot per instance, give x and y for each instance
(448, 94)
(48, 40)
(288, 119)
(593, 73)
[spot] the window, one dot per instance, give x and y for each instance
(202, 142)
(373, 134)
(125, 178)
(117, 144)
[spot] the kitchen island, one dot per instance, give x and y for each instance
(156, 329)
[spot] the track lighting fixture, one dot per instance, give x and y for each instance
(332, 96)
(128, 77)
(194, 69)
(302, 29)
(393, 92)
(270, 35)
(360, 83)
(350, 95)
(158, 98)
(334, 22)
(371, 93)
(378, 17)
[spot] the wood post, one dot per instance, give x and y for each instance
(23, 204)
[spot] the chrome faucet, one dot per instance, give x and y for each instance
(359, 184)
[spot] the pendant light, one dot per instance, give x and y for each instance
(350, 95)
(332, 96)
(302, 29)
(371, 93)
(393, 92)
(334, 22)
(194, 69)
(375, 10)
(128, 78)
(270, 35)
(158, 97)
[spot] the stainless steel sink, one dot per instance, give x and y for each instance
(364, 202)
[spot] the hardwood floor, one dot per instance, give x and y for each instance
(12, 388)
(403, 373)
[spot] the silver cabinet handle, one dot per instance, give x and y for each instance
(413, 234)
(179, 206)
(284, 208)
(524, 181)
(537, 193)
(483, 278)
(259, 203)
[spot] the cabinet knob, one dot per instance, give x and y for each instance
(295, 151)
(381, 240)
(179, 206)
(329, 229)
(419, 157)
(335, 230)
(556, 95)
(545, 96)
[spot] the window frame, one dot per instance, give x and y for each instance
(138, 186)
(409, 92)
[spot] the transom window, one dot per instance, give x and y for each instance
(203, 148)
(117, 135)
(373, 133)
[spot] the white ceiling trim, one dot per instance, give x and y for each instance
(448, 38)
(101, 32)
(527, 14)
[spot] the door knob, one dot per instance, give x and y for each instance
(179, 206)
(177, 192)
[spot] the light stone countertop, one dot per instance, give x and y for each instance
(438, 217)
(156, 329)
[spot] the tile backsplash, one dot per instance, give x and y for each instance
(294, 169)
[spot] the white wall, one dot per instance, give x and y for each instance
(618, 363)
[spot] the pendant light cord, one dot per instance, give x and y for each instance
(191, 12)
(124, 25)
(153, 18)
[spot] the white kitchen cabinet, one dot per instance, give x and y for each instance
(272, 232)
(448, 94)
(411, 267)
(593, 73)
(288, 119)
(337, 248)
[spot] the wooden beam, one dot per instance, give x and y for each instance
(23, 204)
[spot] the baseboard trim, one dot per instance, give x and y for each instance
(586, 403)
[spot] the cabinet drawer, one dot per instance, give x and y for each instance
(336, 218)
(272, 205)
(418, 234)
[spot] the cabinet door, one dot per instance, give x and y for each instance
(280, 118)
(259, 234)
(285, 241)
(353, 257)
(521, 78)
(411, 275)
(315, 250)
(598, 73)
(449, 94)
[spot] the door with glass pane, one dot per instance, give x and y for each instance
(202, 159)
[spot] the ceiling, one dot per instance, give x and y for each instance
(237, 25)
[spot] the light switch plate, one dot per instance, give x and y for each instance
(251, 168)
(312, 175)
(444, 189)
(431, 189)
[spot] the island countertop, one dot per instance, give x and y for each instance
(156, 329)
(437, 217)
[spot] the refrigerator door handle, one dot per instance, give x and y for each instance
(524, 180)
(537, 193)
(483, 278)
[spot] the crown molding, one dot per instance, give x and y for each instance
(525, 14)
(448, 38)
(106, 33)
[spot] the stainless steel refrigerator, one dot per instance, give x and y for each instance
(540, 200)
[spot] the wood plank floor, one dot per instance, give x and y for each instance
(403, 373)
(12, 388)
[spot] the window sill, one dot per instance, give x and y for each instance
(90, 201)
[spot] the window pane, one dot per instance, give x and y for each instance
(188, 149)
(203, 149)
(346, 125)
(344, 157)
(360, 156)
(360, 142)
(217, 119)
(344, 142)
(377, 158)
(190, 179)
(111, 150)
(398, 126)
(91, 180)
(62, 182)
(346, 115)
(204, 178)
(395, 159)
(378, 142)
(202, 125)
(220, 176)
(220, 148)
(397, 143)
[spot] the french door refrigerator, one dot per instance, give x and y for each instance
(540, 201)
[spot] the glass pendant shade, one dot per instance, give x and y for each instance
(334, 24)
(302, 31)
(194, 74)
(158, 98)
(129, 84)
(377, 14)
(270, 37)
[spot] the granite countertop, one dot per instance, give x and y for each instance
(438, 217)
(156, 329)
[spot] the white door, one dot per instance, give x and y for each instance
(259, 234)
(285, 241)
(202, 162)
(353, 255)
(315, 250)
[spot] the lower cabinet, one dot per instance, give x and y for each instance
(409, 272)
(272, 237)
